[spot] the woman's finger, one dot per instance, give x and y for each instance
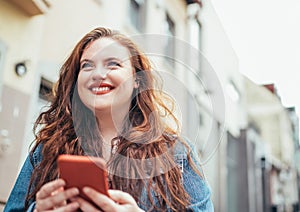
(121, 197)
(56, 192)
(68, 208)
(56, 200)
(47, 189)
(101, 200)
(84, 205)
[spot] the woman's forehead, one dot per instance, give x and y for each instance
(106, 47)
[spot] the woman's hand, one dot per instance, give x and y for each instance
(118, 201)
(52, 196)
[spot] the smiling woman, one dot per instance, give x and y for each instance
(105, 104)
(106, 78)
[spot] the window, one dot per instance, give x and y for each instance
(233, 91)
(170, 46)
(201, 119)
(195, 40)
(45, 92)
(196, 33)
(44, 98)
(199, 38)
(137, 14)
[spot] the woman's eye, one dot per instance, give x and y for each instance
(86, 66)
(113, 64)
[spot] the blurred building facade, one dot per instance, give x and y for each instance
(38, 35)
(276, 147)
(222, 112)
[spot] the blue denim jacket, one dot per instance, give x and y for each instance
(194, 185)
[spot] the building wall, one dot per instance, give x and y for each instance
(20, 35)
(272, 119)
(265, 108)
(219, 58)
(222, 58)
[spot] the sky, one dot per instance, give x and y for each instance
(265, 35)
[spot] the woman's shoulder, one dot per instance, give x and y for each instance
(184, 147)
(200, 197)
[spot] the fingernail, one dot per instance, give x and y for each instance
(86, 189)
(75, 191)
(61, 181)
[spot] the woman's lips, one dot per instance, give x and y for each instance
(101, 89)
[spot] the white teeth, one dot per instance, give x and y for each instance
(100, 89)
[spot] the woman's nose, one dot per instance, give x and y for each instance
(100, 73)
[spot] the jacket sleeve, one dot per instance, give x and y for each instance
(195, 185)
(16, 200)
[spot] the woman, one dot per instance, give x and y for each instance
(105, 104)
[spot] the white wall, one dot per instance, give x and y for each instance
(23, 38)
(222, 68)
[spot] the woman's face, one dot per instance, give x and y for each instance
(106, 78)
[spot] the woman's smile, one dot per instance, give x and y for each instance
(101, 89)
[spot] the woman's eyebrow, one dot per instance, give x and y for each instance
(112, 58)
(86, 60)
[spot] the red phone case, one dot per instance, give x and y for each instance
(80, 171)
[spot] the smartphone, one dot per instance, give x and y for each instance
(80, 171)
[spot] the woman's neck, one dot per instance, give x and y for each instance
(109, 126)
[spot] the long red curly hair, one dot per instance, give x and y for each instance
(68, 127)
